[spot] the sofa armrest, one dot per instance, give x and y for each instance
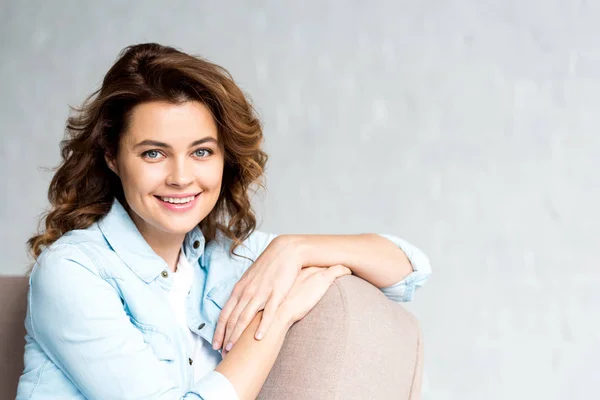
(355, 344)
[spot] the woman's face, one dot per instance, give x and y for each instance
(170, 165)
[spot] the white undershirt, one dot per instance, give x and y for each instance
(205, 358)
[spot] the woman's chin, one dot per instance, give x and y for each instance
(178, 229)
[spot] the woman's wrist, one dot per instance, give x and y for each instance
(295, 247)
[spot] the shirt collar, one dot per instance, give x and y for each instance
(128, 243)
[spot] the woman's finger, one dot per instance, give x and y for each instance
(225, 316)
(328, 275)
(308, 292)
(269, 313)
(234, 317)
(337, 271)
(308, 271)
(253, 307)
(223, 319)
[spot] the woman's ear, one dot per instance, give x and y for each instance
(111, 164)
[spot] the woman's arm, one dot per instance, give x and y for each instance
(371, 257)
(248, 364)
(388, 262)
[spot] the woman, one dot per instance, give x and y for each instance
(150, 280)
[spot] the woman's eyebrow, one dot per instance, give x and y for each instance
(156, 143)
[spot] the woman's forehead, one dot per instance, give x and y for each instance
(168, 122)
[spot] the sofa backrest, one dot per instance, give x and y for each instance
(13, 305)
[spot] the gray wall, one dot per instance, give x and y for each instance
(468, 127)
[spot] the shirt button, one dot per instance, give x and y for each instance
(196, 244)
(201, 326)
(190, 361)
(164, 274)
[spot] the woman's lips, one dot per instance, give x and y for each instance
(173, 203)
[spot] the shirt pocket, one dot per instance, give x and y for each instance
(219, 294)
(161, 344)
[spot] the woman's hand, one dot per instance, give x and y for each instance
(262, 287)
(309, 288)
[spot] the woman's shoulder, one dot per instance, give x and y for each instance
(81, 246)
(251, 247)
(77, 261)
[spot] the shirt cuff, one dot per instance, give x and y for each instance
(405, 289)
(215, 386)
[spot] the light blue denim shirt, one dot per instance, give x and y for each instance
(99, 324)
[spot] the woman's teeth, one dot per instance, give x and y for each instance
(175, 200)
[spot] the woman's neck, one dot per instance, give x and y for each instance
(167, 247)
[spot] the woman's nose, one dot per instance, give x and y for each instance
(180, 175)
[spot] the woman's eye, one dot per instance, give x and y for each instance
(202, 153)
(151, 154)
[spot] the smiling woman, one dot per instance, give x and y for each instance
(150, 270)
(170, 181)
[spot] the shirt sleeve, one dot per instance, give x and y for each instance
(78, 319)
(215, 385)
(404, 290)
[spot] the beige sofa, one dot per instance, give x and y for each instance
(355, 344)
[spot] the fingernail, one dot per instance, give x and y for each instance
(259, 335)
(215, 345)
(229, 346)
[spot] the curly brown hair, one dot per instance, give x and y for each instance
(83, 187)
